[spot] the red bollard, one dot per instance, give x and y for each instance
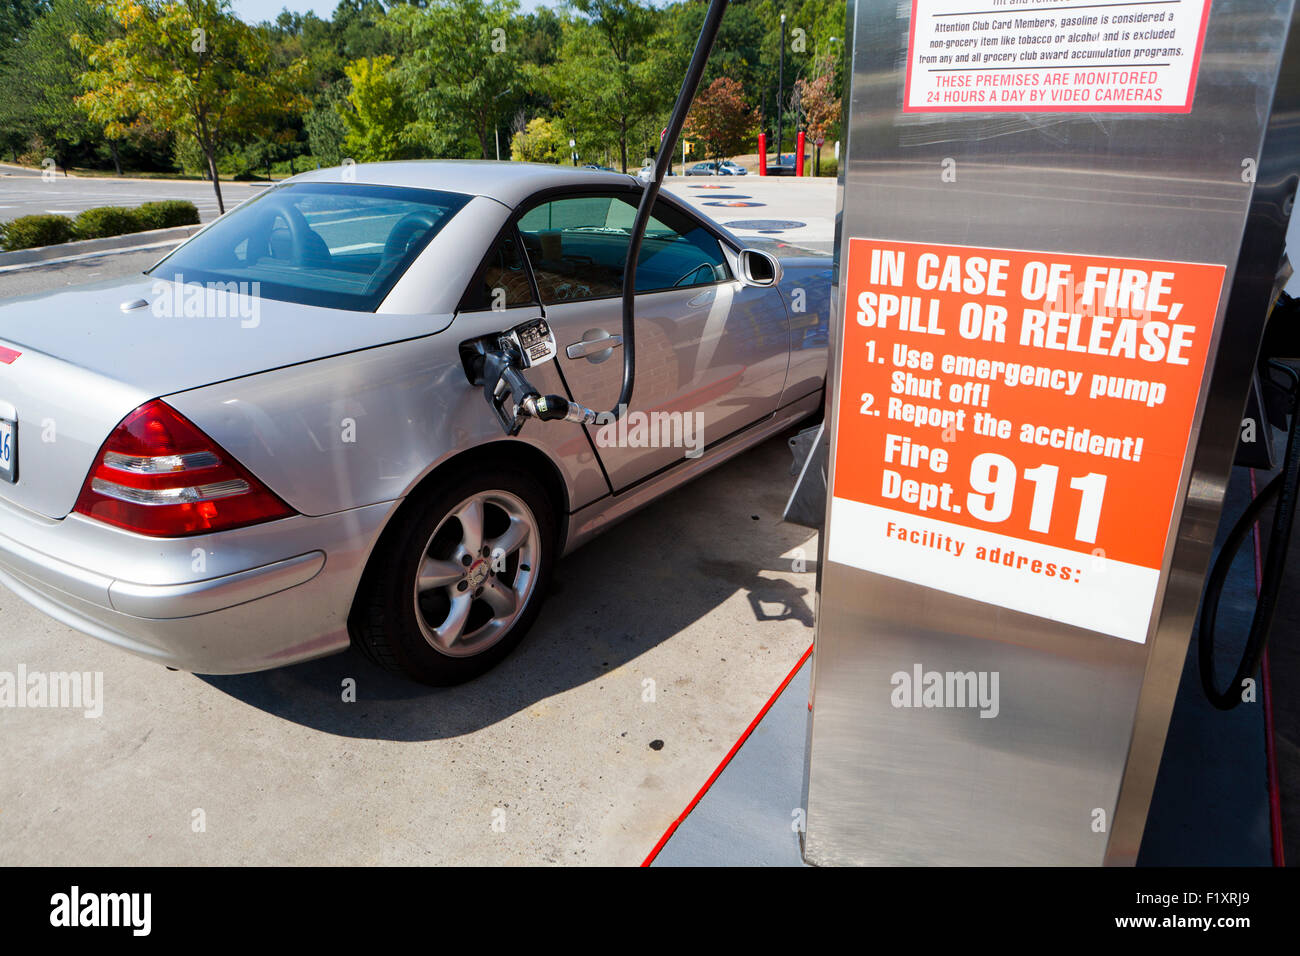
(762, 154)
(798, 156)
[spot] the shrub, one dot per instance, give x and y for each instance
(106, 221)
(27, 232)
(541, 141)
(167, 214)
(830, 166)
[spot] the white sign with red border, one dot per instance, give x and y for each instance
(1054, 56)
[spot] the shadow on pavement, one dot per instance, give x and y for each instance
(635, 586)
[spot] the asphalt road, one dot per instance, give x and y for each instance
(46, 278)
(25, 192)
(660, 642)
(801, 211)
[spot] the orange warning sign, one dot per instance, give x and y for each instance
(1012, 425)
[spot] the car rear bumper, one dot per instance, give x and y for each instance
(233, 602)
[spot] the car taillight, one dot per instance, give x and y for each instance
(159, 475)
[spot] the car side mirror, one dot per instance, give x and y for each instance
(759, 268)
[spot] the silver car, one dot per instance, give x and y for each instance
(268, 445)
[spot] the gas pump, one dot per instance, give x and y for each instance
(1062, 227)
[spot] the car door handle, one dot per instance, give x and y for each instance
(590, 346)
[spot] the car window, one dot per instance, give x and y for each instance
(502, 280)
(577, 246)
(341, 245)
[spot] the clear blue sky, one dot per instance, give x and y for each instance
(255, 11)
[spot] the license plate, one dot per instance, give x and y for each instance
(8, 450)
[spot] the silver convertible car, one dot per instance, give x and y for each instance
(268, 445)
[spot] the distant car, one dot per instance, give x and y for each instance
(711, 168)
(608, 169)
(269, 446)
(784, 166)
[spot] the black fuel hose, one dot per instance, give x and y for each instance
(1284, 488)
(557, 407)
(663, 159)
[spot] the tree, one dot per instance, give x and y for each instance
(821, 109)
(359, 30)
(720, 121)
(611, 81)
(460, 71)
(377, 113)
(326, 130)
(737, 53)
(541, 141)
(191, 66)
(41, 81)
(813, 28)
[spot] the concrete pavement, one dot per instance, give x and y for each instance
(799, 211)
(661, 641)
(647, 664)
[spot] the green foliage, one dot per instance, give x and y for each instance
(542, 141)
(105, 221)
(189, 158)
(166, 214)
(462, 72)
(28, 232)
(608, 81)
(40, 78)
(377, 112)
(191, 66)
(326, 131)
(119, 82)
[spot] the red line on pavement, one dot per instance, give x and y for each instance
(672, 828)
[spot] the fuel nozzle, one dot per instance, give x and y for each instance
(506, 389)
(497, 363)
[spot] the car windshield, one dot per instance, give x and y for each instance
(340, 245)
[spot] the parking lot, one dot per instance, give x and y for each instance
(25, 192)
(660, 642)
(800, 211)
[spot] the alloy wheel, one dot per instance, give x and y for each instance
(477, 573)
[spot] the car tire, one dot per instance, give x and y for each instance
(433, 611)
